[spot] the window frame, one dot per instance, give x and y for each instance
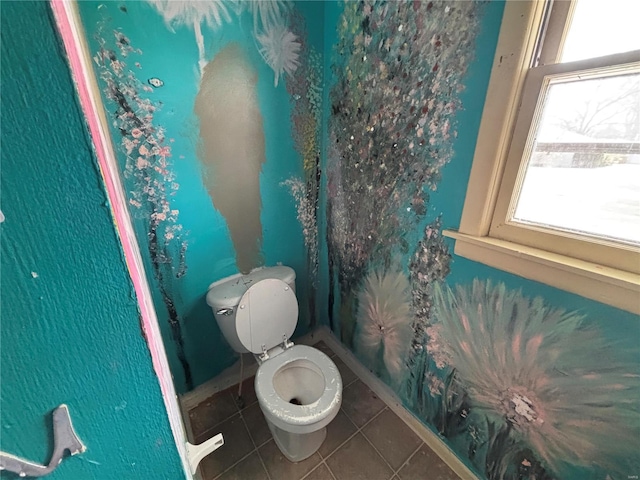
(599, 269)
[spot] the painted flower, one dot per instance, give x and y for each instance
(438, 350)
(267, 14)
(533, 367)
(164, 151)
(192, 13)
(384, 319)
(305, 210)
(142, 163)
(436, 386)
(136, 132)
(280, 49)
(128, 145)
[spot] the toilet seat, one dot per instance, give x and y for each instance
(267, 315)
(299, 418)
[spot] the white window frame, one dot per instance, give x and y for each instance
(599, 270)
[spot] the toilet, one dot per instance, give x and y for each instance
(299, 388)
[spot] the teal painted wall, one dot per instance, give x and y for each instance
(566, 406)
(366, 99)
(200, 250)
(70, 327)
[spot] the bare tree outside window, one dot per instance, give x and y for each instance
(584, 170)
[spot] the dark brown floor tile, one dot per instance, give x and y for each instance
(248, 469)
(345, 372)
(425, 460)
(392, 437)
(323, 347)
(280, 468)
(320, 473)
(338, 431)
(248, 393)
(211, 412)
(256, 424)
(357, 460)
(237, 444)
(360, 404)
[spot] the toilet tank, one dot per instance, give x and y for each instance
(224, 296)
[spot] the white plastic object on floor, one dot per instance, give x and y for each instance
(196, 453)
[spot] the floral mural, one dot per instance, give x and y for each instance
(525, 370)
(232, 143)
(278, 46)
(147, 166)
(305, 90)
(383, 334)
(192, 14)
(398, 79)
(510, 382)
(188, 88)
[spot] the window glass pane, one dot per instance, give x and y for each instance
(583, 174)
(601, 28)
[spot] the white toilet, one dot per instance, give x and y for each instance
(299, 388)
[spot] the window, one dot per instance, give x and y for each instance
(554, 193)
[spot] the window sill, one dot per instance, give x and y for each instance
(604, 284)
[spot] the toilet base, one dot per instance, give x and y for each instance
(297, 446)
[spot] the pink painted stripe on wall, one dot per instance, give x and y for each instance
(119, 212)
(82, 77)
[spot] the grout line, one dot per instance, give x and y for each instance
(217, 425)
(368, 421)
(410, 457)
(393, 472)
(266, 441)
(433, 440)
(232, 466)
(373, 418)
(247, 406)
(341, 445)
(312, 470)
(244, 424)
(264, 465)
(358, 430)
(255, 447)
(350, 383)
(330, 471)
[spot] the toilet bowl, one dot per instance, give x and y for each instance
(299, 392)
(299, 388)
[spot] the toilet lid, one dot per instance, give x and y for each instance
(267, 311)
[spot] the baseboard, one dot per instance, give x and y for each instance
(389, 397)
(231, 375)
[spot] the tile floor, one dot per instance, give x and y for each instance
(366, 440)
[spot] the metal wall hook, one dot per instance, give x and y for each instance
(64, 438)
